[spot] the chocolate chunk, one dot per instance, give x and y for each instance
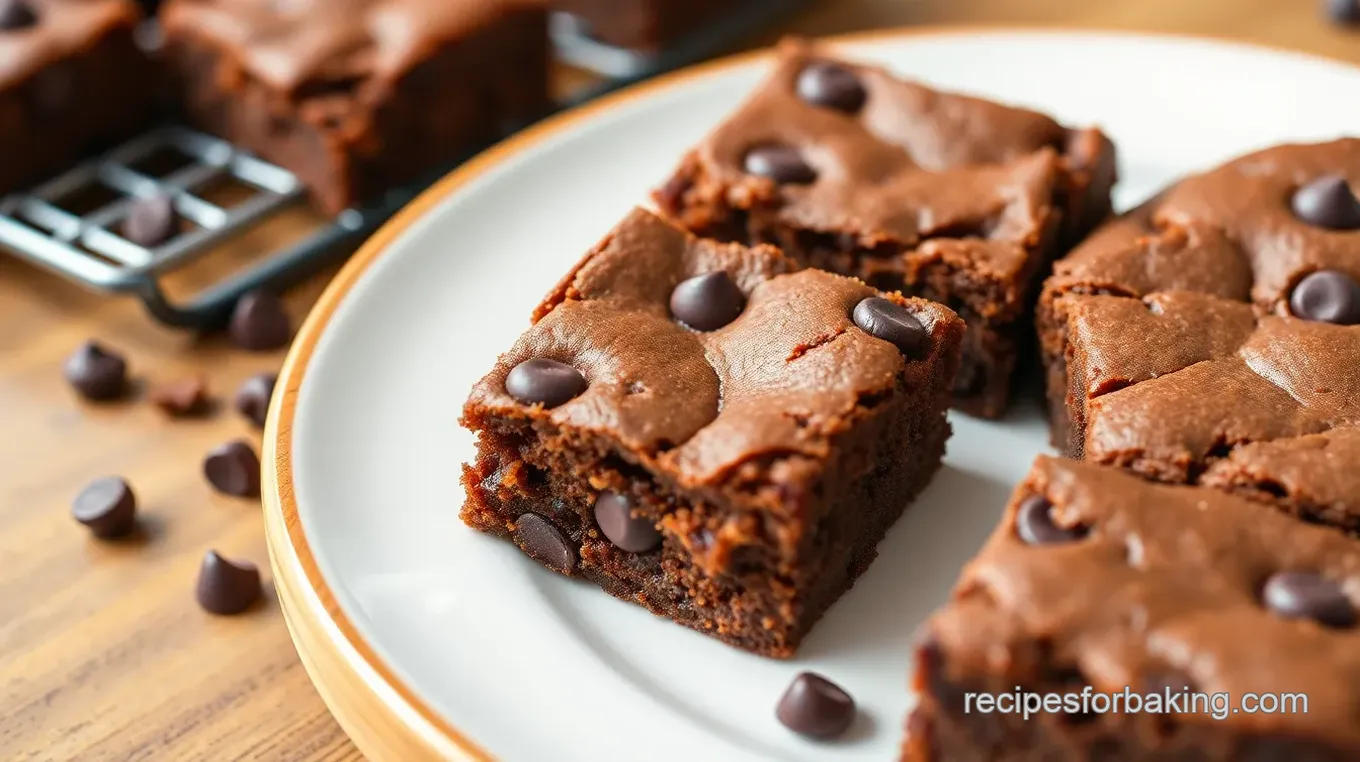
(707, 302)
(151, 221)
(1328, 202)
(634, 534)
(107, 506)
(890, 322)
(1304, 595)
(96, 373)
(259, 322)
(15, 15)
(816, 707)
(1343, 11)
(782, 164)
(180, 399)
(544, 543)
(544, 381)
(1034, 523)
(233, 469)
(831, 86)
(226, 587)
(252, 399)
(1329, 296)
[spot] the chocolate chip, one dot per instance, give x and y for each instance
(634, 534)
(782, 164)
(16, 14)
(1034, 523)
(544, 381)
(151, 221)
(252, 399)
(226, 587)
(1329, 296)
(1343, 11)
(233, 469)
(544, 543)
(107, 506)
(890, 322)
(1304, 595)
(1328, 202)
(259, 322)
(831, 86)
(816, 707)
(96, 373)
(707, 302)
(182, 398)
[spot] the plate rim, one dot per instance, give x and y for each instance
(388, 719)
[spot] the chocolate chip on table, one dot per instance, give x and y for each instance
(252, 399)
(226, 587)
(183, 398)
(1305, 595)
(782, 164)
(544, 381)
(890, 322)
(1034, 523)
(831, 86)
(707, 302)
(107, 506)
(233, 469)
(1343, 11)
(1328, 202)
(545, 543)
(96, 373)
(259, 322)
(151, 221)
(614, 515)
(1329, 296)
(816, 707)
(15, 15)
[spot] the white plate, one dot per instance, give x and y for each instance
(464, 633)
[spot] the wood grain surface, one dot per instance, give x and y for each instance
(103, 653)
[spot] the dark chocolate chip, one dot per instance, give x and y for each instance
(226, 587)
(544, 381)
(1328, 202)
(1329, 296)
(233, 469)
(179, 399)
(1304, 595)
(96, 373)
(259, 322)
(816, 707)
(1034, 523)
(16, 14)
(614, 514)
(107, 506)
(831, 86)
(1343, 11)
(151, 221)
(545, 543)
(782, 164)
(252, 399)
(890, 322)
(707, 302)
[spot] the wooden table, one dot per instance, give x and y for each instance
(103, 654)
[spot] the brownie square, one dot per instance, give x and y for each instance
(943, 196)
(646, 25)
(72, 81)
(1098, 580)
(734, 476)
(359, 96)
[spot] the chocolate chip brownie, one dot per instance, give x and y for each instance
(711, 432)
(646, 25)
(947, 197)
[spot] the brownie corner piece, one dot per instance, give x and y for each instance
(710, 431)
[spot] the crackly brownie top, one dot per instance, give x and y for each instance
(697, 357)
(1130, 583)
(36, 33)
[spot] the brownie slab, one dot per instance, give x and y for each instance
(645, 25)
(709, 431)
(1096, 579)
(951, 198)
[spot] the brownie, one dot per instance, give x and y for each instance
(646, 25)
(708, 431)
(72, 81)
(358, 96)
(938, 195)
(1096, 579)
(1212, 335)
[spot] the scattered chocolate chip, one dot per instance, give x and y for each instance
(1343, 11)
(252, 399)
(107, 506)
(890, 322)
(1304, 595)
(1034, 523)
(634, 534)
(233, 469)
(180, 399)
(547, 381)
(544, 543)
(226, 587)
(1329, 296)
(782, 164)
(831, 86)
(707, 302)
(1328, 202)
(816, 707)
(259, 322)
(96, 373)
(151, 221)
(15, 15)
